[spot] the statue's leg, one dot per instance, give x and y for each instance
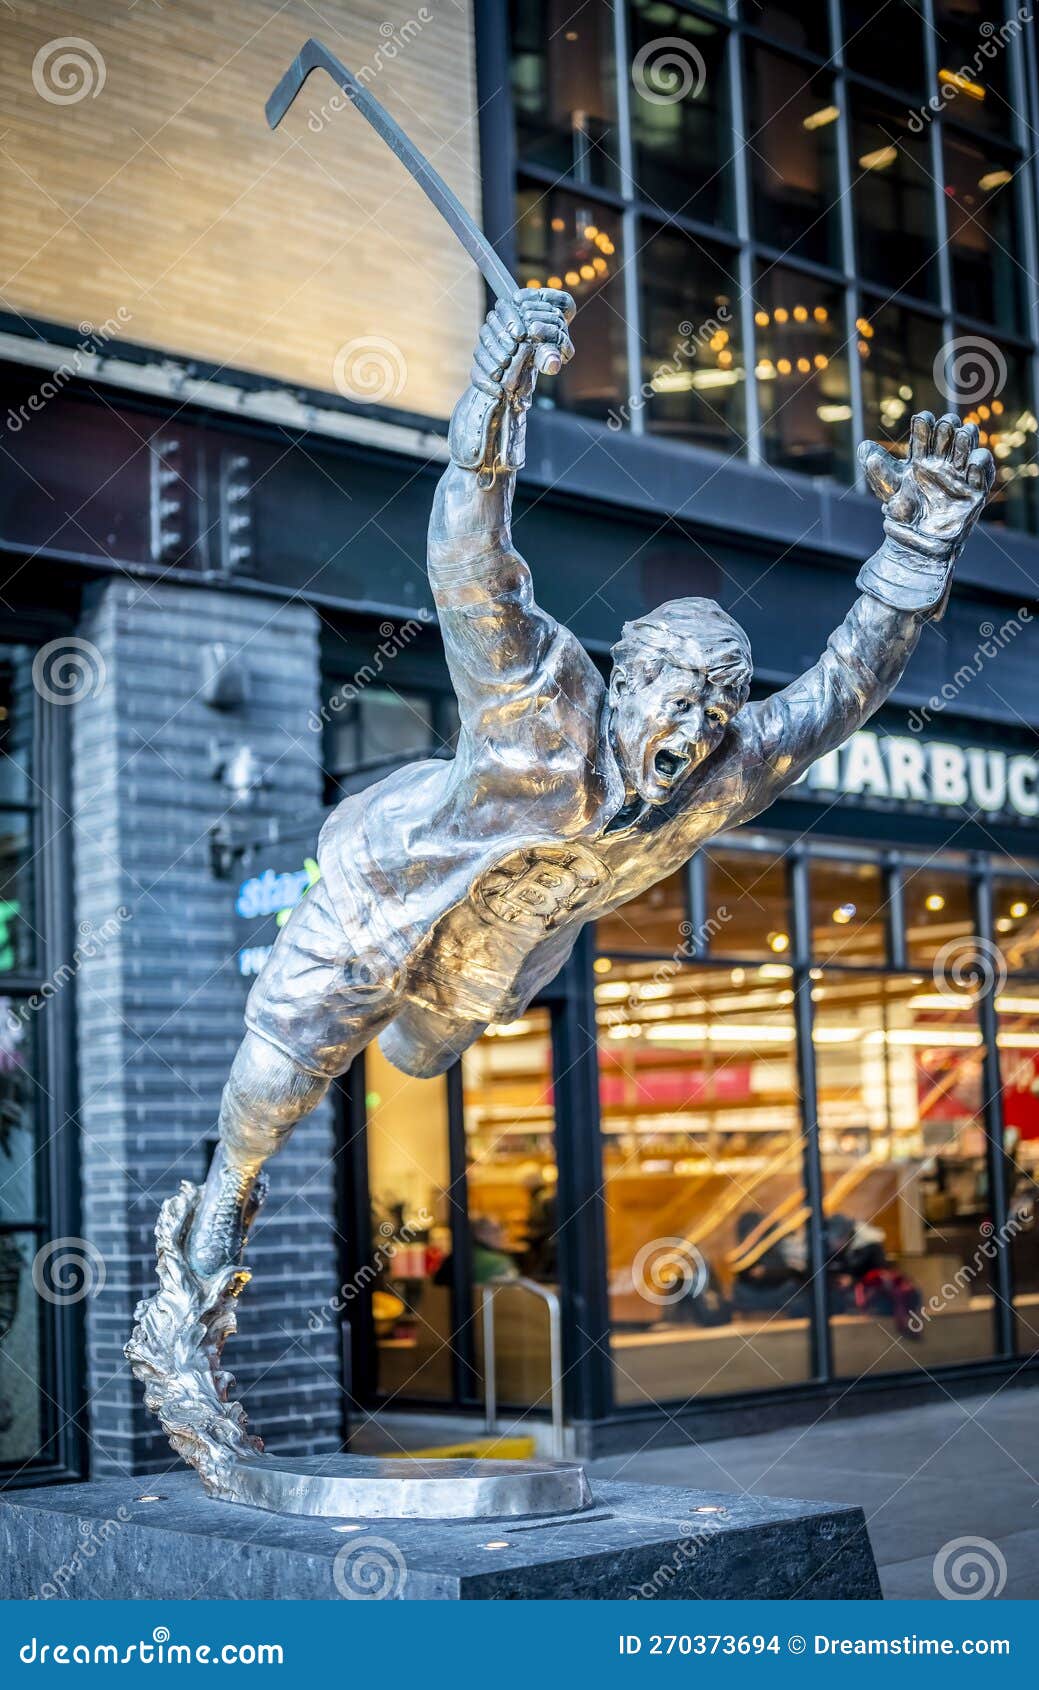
(322, 995)
(265, 1095)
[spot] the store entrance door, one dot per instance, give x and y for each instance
(452, 1186)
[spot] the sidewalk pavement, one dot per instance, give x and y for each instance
(926, 1476)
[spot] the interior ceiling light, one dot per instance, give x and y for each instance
(934, 902)
(995, 179)
(962, 84)
(819, 119)
(714, 378)
(880, 159)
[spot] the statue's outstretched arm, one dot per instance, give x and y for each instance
(494, 633)
(932, 500)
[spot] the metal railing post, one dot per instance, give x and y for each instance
(490, 1391)
(555, 1354)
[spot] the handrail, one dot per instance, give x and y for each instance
(555, 1347)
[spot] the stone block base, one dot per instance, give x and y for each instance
(101, 1540)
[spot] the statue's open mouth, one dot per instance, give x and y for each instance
(669, 766)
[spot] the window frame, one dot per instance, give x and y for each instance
(61, 1387)
(983, 870)
(503, 174)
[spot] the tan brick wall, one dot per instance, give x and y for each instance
(165, 194)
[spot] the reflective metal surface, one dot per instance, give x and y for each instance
(454, 890)
(358, 1487)
(314, 56)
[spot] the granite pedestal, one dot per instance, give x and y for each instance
(103, 1540)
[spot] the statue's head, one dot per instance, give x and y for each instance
(679, 676)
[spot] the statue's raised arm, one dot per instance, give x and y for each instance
(495, 634)
(932, 500)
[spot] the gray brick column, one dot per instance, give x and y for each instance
(160, 1002)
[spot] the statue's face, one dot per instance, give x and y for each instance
(662, 728)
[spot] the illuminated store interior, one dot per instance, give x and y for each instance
(707, 1151)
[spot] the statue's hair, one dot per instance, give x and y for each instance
(692, 634)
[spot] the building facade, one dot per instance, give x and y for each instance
(771, 1137)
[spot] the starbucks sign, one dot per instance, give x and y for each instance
(934, 774)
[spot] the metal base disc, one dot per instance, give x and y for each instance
(368, 1487)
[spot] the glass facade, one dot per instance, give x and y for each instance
(34, 1152)
(774, 1020)
(462, 1186)
(781, 240)
(715, 1254)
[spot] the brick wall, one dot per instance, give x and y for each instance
(160, 1004)
(161, 195)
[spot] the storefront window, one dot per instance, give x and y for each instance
(20, 1198)
(902, 1140)
(35, 1148)
(849, 914)
(939, 922)
(18, 926)
(794, 157)
(409, 1179)
(1018, 1039)
(692, 364)
(748, 906)
(702, 1150)
(1015, 906)
(708, 1228)
(680, 119)
(510, 1152)
(655, 921)
(21, 1376)
(17, 929)
(802, 373)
